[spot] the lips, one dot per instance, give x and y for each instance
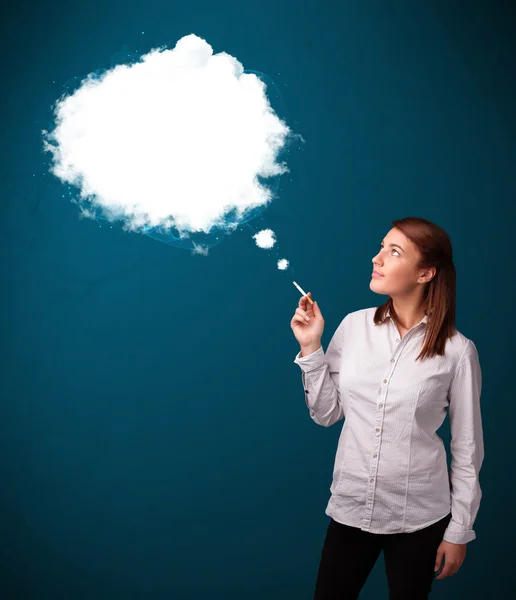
(377, 273)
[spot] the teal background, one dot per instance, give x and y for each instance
(155, 441)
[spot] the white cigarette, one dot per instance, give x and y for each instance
(304, 294)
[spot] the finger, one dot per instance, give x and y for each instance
(299, 319)
(446, 572)
(313, 304)
(439, 560)
(309, 305)
(304, 300)
(307, 309)
(303, 314)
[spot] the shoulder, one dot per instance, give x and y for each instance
(460, 349)
(358, 318)
(362, 312)
(363, 315)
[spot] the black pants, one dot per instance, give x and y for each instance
(349, 555)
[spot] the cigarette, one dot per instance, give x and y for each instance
(308, 297)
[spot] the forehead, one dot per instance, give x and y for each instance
(395, 236)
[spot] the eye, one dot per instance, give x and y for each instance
(394, 250)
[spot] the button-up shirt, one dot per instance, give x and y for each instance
(390, 473)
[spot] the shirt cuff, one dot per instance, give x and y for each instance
(310, 361)
(458, 534)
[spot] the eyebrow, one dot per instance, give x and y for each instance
(392, 245)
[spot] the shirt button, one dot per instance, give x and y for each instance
(371, 480)
(397, 339)
(385, 380)
(380, 405)
(375, 455)
(392, 360)
(377, 429)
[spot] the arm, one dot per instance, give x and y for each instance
(467, 446)
(320, 375)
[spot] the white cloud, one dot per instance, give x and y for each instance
(265, 238)
(177, 139)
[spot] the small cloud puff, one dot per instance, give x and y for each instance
(265, 238)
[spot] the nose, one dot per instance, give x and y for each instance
(376, 259)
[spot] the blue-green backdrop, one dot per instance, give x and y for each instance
(155, 441)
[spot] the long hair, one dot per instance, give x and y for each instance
(435, 250)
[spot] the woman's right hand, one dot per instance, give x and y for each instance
(308, 332)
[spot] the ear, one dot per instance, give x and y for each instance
(429, 274)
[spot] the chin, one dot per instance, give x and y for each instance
(377, 289)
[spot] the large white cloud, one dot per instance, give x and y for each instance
(177, 139)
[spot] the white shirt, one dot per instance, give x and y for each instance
(390, 473)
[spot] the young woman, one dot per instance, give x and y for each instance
(392, 372)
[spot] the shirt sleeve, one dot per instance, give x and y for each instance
(467, 446)
(320, 376)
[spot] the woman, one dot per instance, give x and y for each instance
(391, 372)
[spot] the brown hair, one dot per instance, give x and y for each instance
(435, 250)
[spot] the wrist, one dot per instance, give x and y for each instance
(310, 349)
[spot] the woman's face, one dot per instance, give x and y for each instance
(397, 262)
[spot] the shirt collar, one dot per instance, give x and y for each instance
(388, 314)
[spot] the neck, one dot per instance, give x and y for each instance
(409, 313)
